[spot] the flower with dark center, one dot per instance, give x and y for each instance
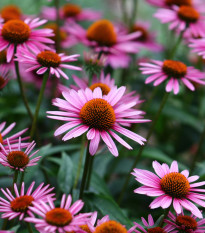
(71, 10)
(10, 12)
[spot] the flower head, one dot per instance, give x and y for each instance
(10, 12)
(174, 72)
(170, 3)
(101, 115)
(185, 223)
(18, 205)
(62, 219)
(16, 158)
(45, 60)
(20, 34)
(171, 186)
(103, 37)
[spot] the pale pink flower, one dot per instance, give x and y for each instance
(198, 46)
(174, 72)
(171, 3)
(21, 34)
(101, 115)
(18, 204)
(58, 219)
(171, 188)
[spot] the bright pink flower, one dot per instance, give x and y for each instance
(185, 223)
(183, 19)
(43, 60)
(171, 187)
(58, 219)
(16, 158)
(150, 224)
(11, 12)
(198, 46)
(13, 139)
(101, 115)
(104, 38)
(18, 205)
(22, 34)
(171, 3)
(174, 72)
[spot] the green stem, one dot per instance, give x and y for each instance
(22, 177)
(165, 216)
(134, 13)
(164, 100)
(82, 152)
(14, 180)
(58, 26)
(199, 150)
(174, 49)
(89, 172)
(29, 227)
(40, 98)
(85, 173)
(23, 95)
(124, 12)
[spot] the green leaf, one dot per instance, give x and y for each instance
(65, 174)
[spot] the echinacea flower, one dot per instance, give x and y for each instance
(20, 34)
(185, 223)
(44, 60)
(170, 3)
(101, 115)
(16, 158)
(64, 218)
(4, 76)
(184, 19)
(10, 12)
(71, 12)
(13, 139)
(149, 226)
(17, 204)
(103, 37)
(174, 72)
(198, 46)
(171, 187)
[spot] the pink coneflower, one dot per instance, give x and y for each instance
(171, 3)
(198, 46)
(183, 19)
(174, 72)
(17, 206)
(58, 219)
(185, 223)
(44, 60)
(13, 139)
(4, 77)
(104, 38)
(71, 12)
(149, 226)
(171, 187)
(10, 12)
(16, 158)
(102, 116)
(22, 34)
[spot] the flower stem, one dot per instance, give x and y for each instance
(58, 26)
(40, 97)
(85, 173)
(29, 227)
(89, 172)
(124, 12)
(166, 212)
(14, 180)
(199, 150)
(22, 89)
(174, 49)
(164, 100)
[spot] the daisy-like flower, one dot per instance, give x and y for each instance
(183, 19)
(170, 3)
(185, 223)
(4, 76)
(17, 205)
(58, 219)
(149, 226)
(44, 60)
(20, 34)
(101, 115)
(16, 158)
(10, 12)
(71, 12)
(198, 46)
(104, 38)
(13, 139)
(174, 72)
(171, 186)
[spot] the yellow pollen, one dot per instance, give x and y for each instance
(105, 88)
(178, 2)
(53, 26)
(49, 59)
(15, 31)
(144, 33)
(175, 184)
(156, 230)
(1, 139)
(21, 204)
(110, 227)
(58, 217)
(98, 113)
(3, 57)
(102, 32)
(71, 10)
(174, 69)
(17, 159)
(10, 12)
(186, 221)
(188, 14)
